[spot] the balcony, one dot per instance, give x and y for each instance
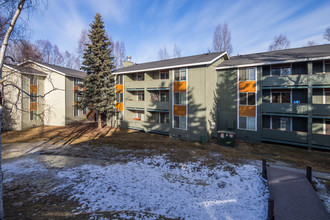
(321, 79)
(294, 137)
(321, 140)
(290, 80)
(321, 109)
(285, 108)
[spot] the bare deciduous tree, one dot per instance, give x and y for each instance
(326, 34)
(280, 42)
(163, 54)
(57, 56)
(310, 43)
(222, 39)
(119, 53)
(176, 51)
(46, 49)
(83, 40)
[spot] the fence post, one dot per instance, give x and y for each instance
(264, 169)
(270, 215)
(309, 173)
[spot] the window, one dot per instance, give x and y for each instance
(154, 117)
(164, 75)
(179, 98)
(281, 96)
(33, 97)
(33, 115)
(247, 123)
(318, 67)
(140, 96)
(247, 98)
(327, 126)
(33, 80)
(327, 66)
(139, 115)
(327, 96)
(75, 111)
(164, 97)
(77, 82)
(119, 79)
(164, 118)
(119, 116)
(119, 97)
(159, 96)
(180, 122)
(75, 97)
(247, 74)
(280, 70)
(180, 75)
(140, 77)
(281, 123)
(85, 111)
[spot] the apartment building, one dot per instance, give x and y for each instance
(280, 96)
(173, 97)
(40, 94)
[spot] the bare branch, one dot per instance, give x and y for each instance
(280, 42)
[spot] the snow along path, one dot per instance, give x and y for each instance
(153, 185)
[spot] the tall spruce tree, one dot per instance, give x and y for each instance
(98, 88)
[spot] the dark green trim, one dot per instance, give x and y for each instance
(157, 110)
(287, 115)
(284, 142)
(284, 87)
(135, 109)
(134, 89)
(321, 116)
(320, 147)
(158, 89)
(158, 132)
(321, 87)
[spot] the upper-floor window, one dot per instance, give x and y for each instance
(180, 75)
(247, 74)
(281, 70)
(119, 97)
(140, 96)
(164, 75)
(77, 81)
(281, 96)
(321, 66)
(119, 79)
(140, 77)
(321, 96)
(180, 98)
(33, 80)
(247, 98)
(159, 96)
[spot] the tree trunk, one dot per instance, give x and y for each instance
(2, 58)
(99, 122)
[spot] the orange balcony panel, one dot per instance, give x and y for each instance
(180, 110)
(76, 88)
(249, 111)
(84, 89)
(33, 106)
(33, 89)
(247, 86)
(119, 88)
(180, 86)
(119, 106)
(75, 103)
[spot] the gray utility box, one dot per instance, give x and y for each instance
(226, 138)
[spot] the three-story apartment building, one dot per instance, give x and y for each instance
(174, 97)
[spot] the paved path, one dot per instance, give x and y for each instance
(293, 196)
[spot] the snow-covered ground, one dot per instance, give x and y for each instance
(156, 186)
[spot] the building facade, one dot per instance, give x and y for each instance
(173, 97)
(40, 94)
(280, 96)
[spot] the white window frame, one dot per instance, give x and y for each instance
(247, 117)
(142, 114)
(137, 96)
(140, 74)
(247, 98)
(281, 70)
(271, 97)
(187, 84)
(163, 71)
(34, 119)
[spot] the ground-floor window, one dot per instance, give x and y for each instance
(139, 115)
(119, 116)
(164, 118)
(75, 111)
(85, 111)
(247, 123)
(180, 122)
(321, 126)
(284, 123)
(33, 115)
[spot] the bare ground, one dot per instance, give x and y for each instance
(85, 141)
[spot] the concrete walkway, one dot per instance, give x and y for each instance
(294, 197)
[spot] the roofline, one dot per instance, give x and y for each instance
(175, 66)
(59, 72)
(270, 63)
(23, 72)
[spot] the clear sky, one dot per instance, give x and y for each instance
(145, 26)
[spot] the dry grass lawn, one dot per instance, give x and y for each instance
(78, 133)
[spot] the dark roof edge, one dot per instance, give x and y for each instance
(175, 66)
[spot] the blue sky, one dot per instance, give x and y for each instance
(145, 26)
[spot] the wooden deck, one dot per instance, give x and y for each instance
(294, 197)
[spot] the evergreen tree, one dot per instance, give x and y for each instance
(98, 88)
